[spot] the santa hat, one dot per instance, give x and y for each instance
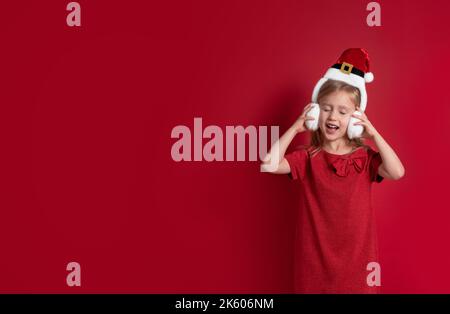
(352, 67)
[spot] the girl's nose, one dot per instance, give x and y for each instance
(333, 115)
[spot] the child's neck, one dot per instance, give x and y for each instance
(339, 146)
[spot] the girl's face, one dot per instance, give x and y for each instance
(335, 112)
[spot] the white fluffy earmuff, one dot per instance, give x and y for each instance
(354, 131)
(313, 112)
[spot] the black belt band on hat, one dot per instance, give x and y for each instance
(348, 68)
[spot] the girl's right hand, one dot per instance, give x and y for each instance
(299, 125)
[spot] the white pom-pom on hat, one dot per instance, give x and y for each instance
(368, 77)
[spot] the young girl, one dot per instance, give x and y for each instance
(336, 235)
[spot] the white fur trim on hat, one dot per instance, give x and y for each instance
(351, 79)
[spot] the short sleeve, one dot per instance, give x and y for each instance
(297, 163)
(374, 163)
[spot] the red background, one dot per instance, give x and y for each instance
(87, 113)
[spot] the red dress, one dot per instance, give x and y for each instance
(336, 233)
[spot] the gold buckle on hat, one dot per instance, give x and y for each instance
(344, 65)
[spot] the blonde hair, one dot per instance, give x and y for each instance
(331, 86)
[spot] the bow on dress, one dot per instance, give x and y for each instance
(342, 165)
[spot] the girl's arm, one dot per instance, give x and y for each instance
(274, 162)
(392, 167)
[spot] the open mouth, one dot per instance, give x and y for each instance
(331, 126)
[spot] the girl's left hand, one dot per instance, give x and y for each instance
(369, 129)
